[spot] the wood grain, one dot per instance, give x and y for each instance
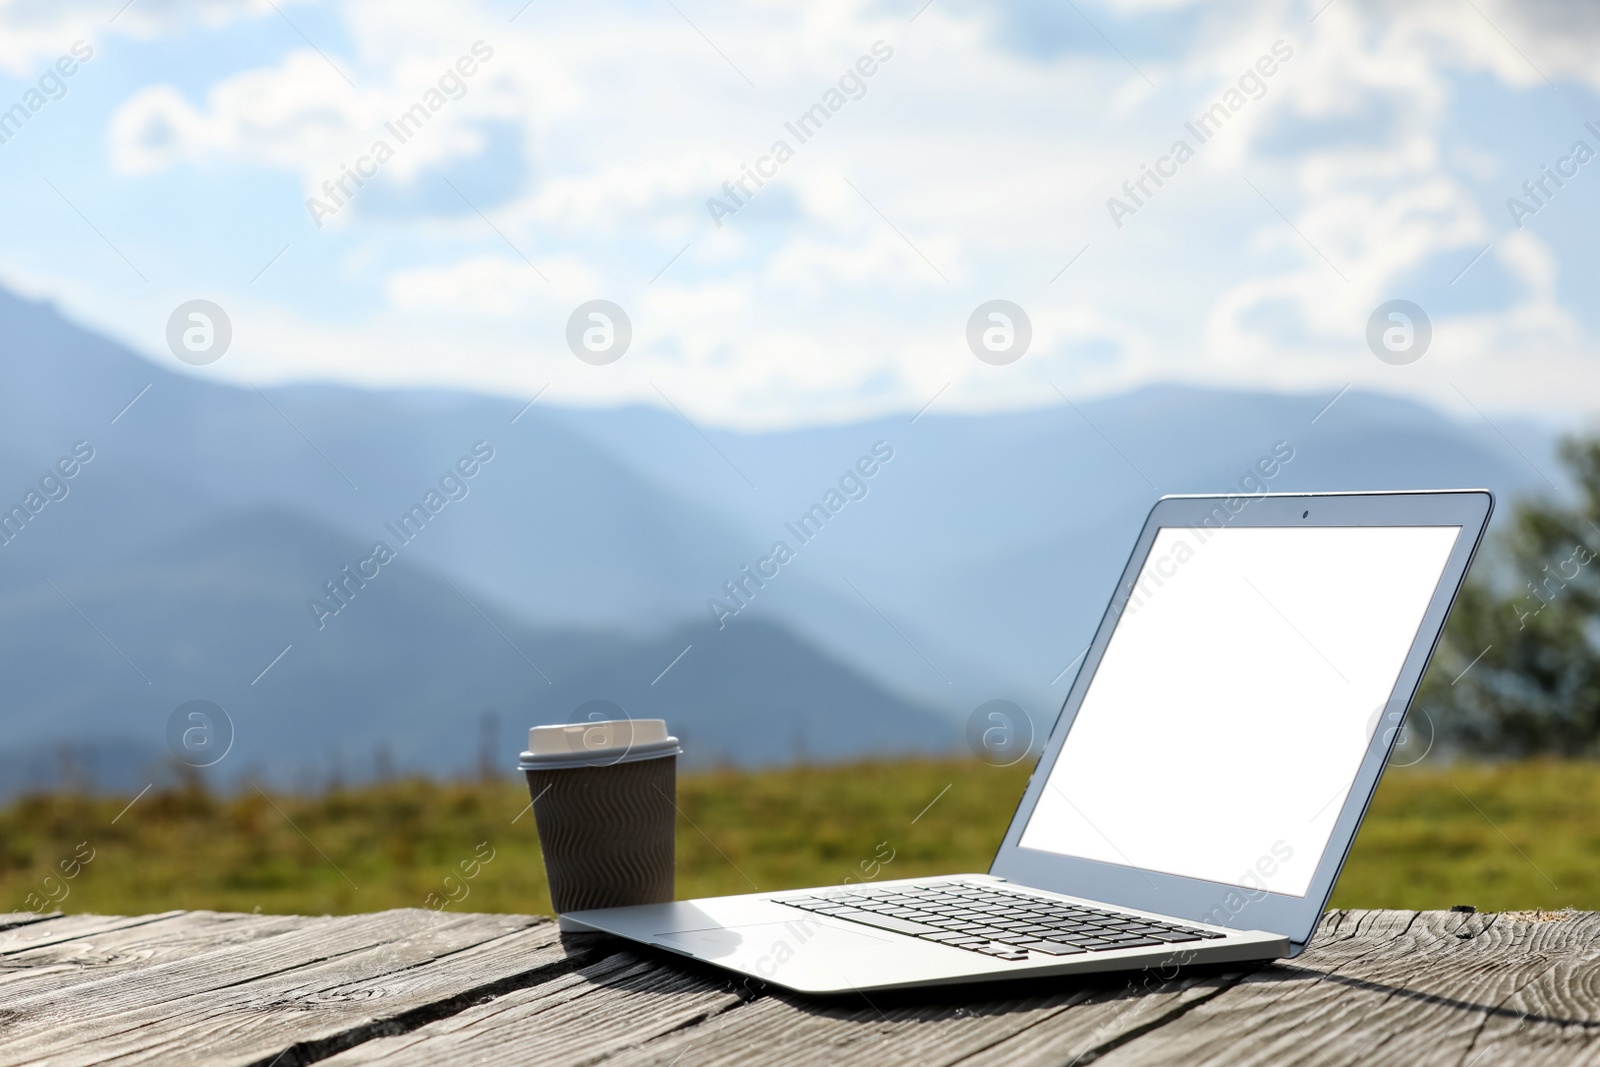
(617, 1004)
(413, 987)
(23, 939)
(1553, 1016)
(92, 952)
(326, 984)
(1065, 1021)
(632, 1010)
(1403, 987)
(23, 918)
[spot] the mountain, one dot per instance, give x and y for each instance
(993, 542)
(408, 666)
(971, 564)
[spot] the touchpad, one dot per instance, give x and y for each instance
(775, 943)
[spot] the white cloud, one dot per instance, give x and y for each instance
(814, 300)
(33, 32)
(301, 115)
(628, 195)
(292, 117)
(500, 286)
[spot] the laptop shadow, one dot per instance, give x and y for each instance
(647, 970)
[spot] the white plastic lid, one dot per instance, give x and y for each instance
(598, 744)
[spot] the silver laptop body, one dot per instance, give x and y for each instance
(1202, 784)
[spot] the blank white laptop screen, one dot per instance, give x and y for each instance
(1236, 698)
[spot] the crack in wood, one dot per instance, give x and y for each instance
(415, 990)
(1170, 1016)
(302, 1053)
(13, 920)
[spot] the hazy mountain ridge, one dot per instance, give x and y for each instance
(410, 665)
(974, 566)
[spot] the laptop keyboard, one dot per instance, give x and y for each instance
(995, 921)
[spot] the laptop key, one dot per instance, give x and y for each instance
(953, 939)
(997, 922)
(1052, 948)
(1005, 952)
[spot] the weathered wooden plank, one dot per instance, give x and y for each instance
(97, 953)
(316, 940)
(1059, 1021)
(1064, 1022)
(619, 1003)
(1077, 1022)
(1282, 1002)
(1554, 1016)
(1141, 1003)
(658, 1011)
(1416, 992)
(310, 1014)
(1441, 998)
(206, 969)
(23, 918)
(294, 997)
(24, 939)
(414, 987)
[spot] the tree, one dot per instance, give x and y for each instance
(1518, 670)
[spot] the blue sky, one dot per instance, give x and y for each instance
(975, 162)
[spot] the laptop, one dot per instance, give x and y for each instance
(1202, 784)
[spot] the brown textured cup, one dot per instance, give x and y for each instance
(606, 830)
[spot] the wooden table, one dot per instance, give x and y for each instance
(421, 987)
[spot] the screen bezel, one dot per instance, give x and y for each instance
(1198, 899)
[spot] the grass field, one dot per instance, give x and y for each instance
(1512, 836)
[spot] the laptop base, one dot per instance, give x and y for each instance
(759, 936)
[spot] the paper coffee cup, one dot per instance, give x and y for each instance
(603, 797)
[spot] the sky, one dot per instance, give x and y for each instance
(957, 153)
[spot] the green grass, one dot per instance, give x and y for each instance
(1424, 844)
